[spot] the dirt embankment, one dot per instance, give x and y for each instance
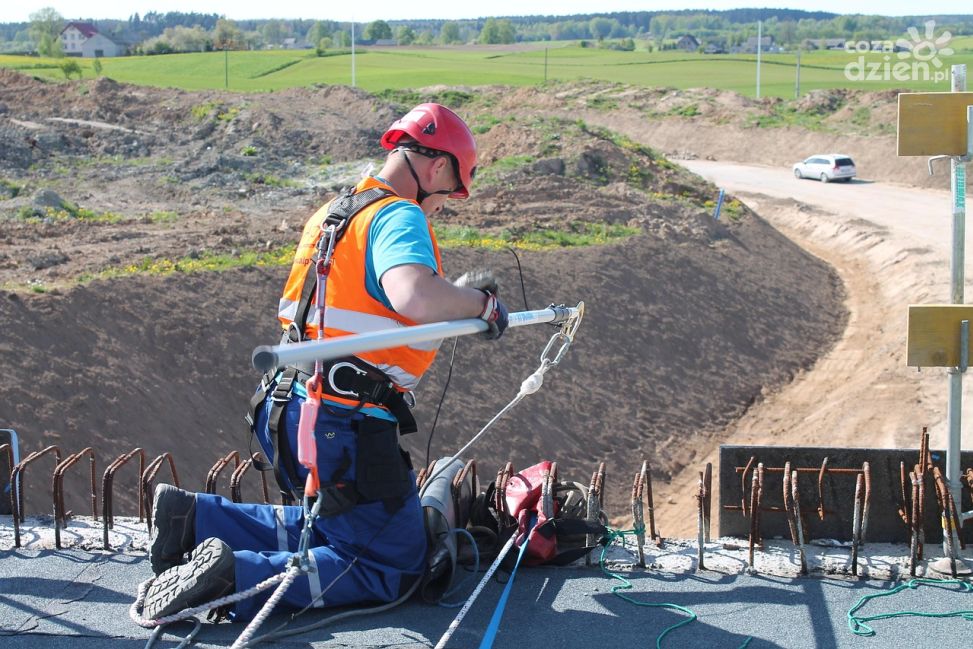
(688, 323)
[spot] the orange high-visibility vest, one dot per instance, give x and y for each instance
(349, 307)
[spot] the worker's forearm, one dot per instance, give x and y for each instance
(434, 299)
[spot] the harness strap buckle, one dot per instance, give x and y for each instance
(282, 393)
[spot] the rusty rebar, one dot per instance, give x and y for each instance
(214, 473)
(856, 523)
(236, 493)
(903, 509)
(700, 524)
(593, 507)
(922, 513)
(760, 497)
(823, 471)
(638, 519)
(915, 541)
(949, 517)
(107, 488)
(788, 506)
(149, 475)
(798, 523)
(654, 535)
(547, 491)
(456, 489)
(925, 457)
(17, 486)
(503, 478)
(754, 506)
(60, 514)
(867, 504)
(743, 485)
(707, 498)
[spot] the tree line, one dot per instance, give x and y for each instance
(158, 33)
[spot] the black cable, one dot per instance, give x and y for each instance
(452, 357)
(521, 271)
(442, 398)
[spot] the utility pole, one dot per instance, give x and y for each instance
(797, 80)
(352, 54)
(759, 47)
(226, 66)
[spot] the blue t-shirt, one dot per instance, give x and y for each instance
(398, 234)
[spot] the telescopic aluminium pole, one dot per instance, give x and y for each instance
(267, 357)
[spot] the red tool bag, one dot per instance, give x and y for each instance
(559, 536)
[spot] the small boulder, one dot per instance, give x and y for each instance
(45, 198)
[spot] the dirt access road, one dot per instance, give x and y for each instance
(891, 245)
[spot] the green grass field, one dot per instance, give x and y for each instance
(396, 68)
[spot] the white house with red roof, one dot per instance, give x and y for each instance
(84, 39)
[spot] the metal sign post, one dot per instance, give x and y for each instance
(957, 273)
(940, 125)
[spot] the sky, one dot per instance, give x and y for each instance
(14, 11)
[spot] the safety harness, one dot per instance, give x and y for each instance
(343, 378)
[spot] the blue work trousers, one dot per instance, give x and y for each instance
(391, 547)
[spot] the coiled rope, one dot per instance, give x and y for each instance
(858, 624)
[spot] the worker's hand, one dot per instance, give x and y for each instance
(480, 278)
(494, 314)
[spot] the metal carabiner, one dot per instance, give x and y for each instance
(331, 373)
(565, 337)
(328, 233)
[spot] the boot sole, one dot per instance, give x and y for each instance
(191, 584)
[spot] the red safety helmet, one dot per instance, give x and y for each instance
(436, 127)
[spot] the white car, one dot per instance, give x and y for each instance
(833, 166)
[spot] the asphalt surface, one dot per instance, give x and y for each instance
(923, 215)
(79, 599)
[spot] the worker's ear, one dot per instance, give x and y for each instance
(440, 165)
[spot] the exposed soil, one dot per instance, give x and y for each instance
(688, 323)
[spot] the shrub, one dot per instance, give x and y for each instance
(69, 68)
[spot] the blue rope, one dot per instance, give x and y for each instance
(491, 632)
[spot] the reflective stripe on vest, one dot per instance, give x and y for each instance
(350, 309)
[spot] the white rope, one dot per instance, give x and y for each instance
(135, 610)
(530, 385)
(476, 593)
(267, 608)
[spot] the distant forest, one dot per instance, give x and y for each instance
(731, 27)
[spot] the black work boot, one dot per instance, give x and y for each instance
(209, 574)
(173, 527)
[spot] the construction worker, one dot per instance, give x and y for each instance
(368, 543)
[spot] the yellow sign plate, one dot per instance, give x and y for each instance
(934, 334)
(933, 123)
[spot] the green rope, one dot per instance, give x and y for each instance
(608, 539)
(858, 624)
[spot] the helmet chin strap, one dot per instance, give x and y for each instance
(421, 193)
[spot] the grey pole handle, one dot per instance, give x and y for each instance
(267, 357)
